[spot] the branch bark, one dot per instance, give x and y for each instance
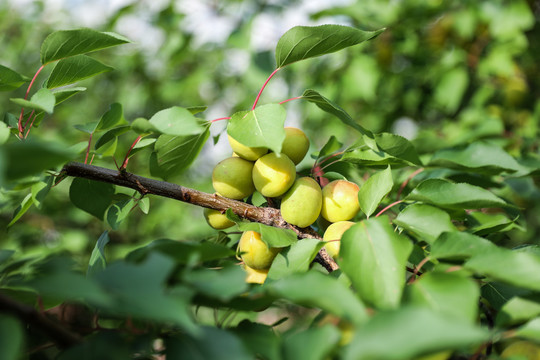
(264, 215)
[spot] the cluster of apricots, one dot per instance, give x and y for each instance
(302, 200)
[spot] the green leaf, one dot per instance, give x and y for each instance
(262, 127)
(521, 269)
(445, 194)
(91, 196)
(314, 289)
(530, 330)
(446, 293)
(143, 127)
(224, 283)
(296, 258)
(479, 157)
(497, 294)
(40, 190)
(76, 68)
(112, 117)
(25, 158)
(330, 107)
(87, 128)
(213, 343)
(329, 148)
(384, 149)
(110, 136)
(451, 88)
(25, 205)
(118, 212)
(374, 256)
(518, 310)
(62, 95)
(482, 223)
(42, 100)
(97, 261)
(373, 191)
(271, 236)
(303, 42)
(176, 121)
(10, 80)
(4, 133)
(311, 344)
(174, 154)
(439, 332)
(425, 221)
(11, 338)
(65, 43)
(459, 245)
(260, 339)
(138, 290)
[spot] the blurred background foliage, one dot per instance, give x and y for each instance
(444, 73)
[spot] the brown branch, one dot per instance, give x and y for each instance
(264, 215)
(61, 336)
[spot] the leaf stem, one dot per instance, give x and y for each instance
(264, 85)
(291, 99)
(21, 128)
(221, 118)
(126, 159)
(388, 207)
(409, 178)
(88, 148)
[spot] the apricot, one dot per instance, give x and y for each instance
(340, 200)
(255, 276)
(216, 219)
(246, 152)
(333, 235)
(273, 174)
(254, 252)
(302, 204)
(295, 145)
(232, 178)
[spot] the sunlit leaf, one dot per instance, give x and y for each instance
(425, 221)
(314, 289)
(454, 196)
(296, 258)
(65, 43)
(262, 127)
(303, 42)
(373, 191)
(42, 100)
(76, 68)
(374, 256)
(174, 154)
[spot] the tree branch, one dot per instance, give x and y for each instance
(61, 336)
(268, 216)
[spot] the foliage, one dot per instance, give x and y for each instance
(443, 258)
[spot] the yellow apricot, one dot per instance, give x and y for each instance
(302, 204)
(254, 252)
(273, 175)
(340, 200)
(333, 235)
(216, 219)
(246, 152)
(295, 145)
(232, 178)
(255, 276)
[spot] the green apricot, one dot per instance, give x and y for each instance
(340, 200)
(333, 235)
(246, 152)
(302, 204)
(216, 219)
(273, 175)
(523, 349)
(254, 252)
(295, 145)
(232, 178)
